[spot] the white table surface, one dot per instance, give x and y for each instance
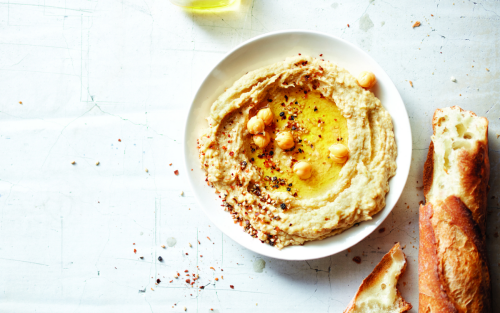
(89, 73)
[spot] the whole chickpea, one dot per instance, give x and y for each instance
(339, 153)
(285, 140)
(266, 115)
(366, 79)
(262, 140)
(302, 169)
(255, 125)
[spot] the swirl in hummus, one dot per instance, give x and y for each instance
(282, 173)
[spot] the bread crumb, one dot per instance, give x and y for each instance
(453, 79)
(411, 83)
(146, 170)
(163, 246)
(417, 24)
(182, 193)
(190, 245)
(487, 69)
(185, 309)
(97, 163)
(73, 162)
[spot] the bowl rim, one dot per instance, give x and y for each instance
(406, 163)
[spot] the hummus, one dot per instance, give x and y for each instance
(321, 105)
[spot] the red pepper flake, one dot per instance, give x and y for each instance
(300, 54)
(348, 25)
(158, 281)
(133, 244)
(381, 230)
(231, 286)
(209, 238)
(119, 140)
(202, 287)
(176, 172)
(187, 253)
(321, 55)
(231, 153)
(212, 268)
(201, 256)
(216, 279)
(186, 271)
(357, 259)
(135, 250)
(170, 164)
(188, 280)
(224, 147)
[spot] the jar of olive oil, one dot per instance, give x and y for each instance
(203, 4)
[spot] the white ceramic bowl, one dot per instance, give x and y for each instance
(268, 49)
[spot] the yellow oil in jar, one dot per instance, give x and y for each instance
(203, 4)
(316, 125)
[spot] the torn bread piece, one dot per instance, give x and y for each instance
(378, 292)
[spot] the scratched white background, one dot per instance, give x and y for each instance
(91, 72)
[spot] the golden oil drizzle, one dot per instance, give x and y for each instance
(324, 125)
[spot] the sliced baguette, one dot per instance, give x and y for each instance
(453, 269)
(378, 292)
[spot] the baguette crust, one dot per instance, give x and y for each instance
(429, 169)
(432, 295)
(475, 173)
(374, 280)
(453, 270)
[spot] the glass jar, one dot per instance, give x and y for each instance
(203, 4)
